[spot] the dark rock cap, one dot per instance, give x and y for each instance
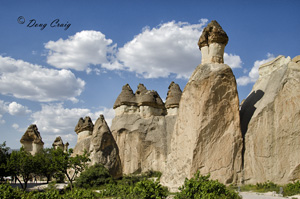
(146, 97)
(58, 142)
(142, 97)
(85, 124)
(126, 97)
(212, 33)
(173, 96)
(32, 135)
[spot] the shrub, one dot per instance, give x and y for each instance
(93, 176)
(291, 189)
(148, 189)
(267, 186)
(7, 192)
(202, 187)
(79, 193)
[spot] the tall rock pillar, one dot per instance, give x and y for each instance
(270, 120)
(207, 134)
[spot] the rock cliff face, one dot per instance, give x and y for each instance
(32, 140)
(104, 149)
(270, 120)
(207, 134)
(143, 126)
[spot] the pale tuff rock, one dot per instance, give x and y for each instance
(103, 148)
(207, 134)
(296, 59)
(32, 140)
(212, 43)
(58, 143)
(143, 131)
(270, 121)
(143, 142)
(84, 130)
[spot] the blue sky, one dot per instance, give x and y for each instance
(52, 75)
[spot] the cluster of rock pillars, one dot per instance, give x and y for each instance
(202, 128)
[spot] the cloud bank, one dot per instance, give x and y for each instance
(79, 51)
(169, 48)
(36, 83)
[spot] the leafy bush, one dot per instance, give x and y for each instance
(7, 192)
(48, 194)
(79, 193)
(93, 176)
(291, 189)
(267, 186)
(202, 187)
(148, 189)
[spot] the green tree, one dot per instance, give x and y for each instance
(94, 176)
(4, 156)
(68, 165)
(21, 164)
(43, 161)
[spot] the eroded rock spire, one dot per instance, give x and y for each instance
(212, 43)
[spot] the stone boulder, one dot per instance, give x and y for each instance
(207, 134)
(32, 140)
(270, 121)
(84, 130)
(103, 148)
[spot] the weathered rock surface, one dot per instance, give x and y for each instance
(32, 140)
(296, 59)
(103, 148)
(270, 120)
(143, 131)
(207, 134)
(58, 143)
(84, 130)
(143, 142)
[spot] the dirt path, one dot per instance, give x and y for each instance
(269, 195)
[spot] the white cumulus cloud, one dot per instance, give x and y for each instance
(170, 48)
(253, 74)
(234, 61)
(79, 51)
(12, 108)
(55, 120)
(36, 83)
(15, 126)
(17, 109)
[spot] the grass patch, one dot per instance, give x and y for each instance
(289, 189)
